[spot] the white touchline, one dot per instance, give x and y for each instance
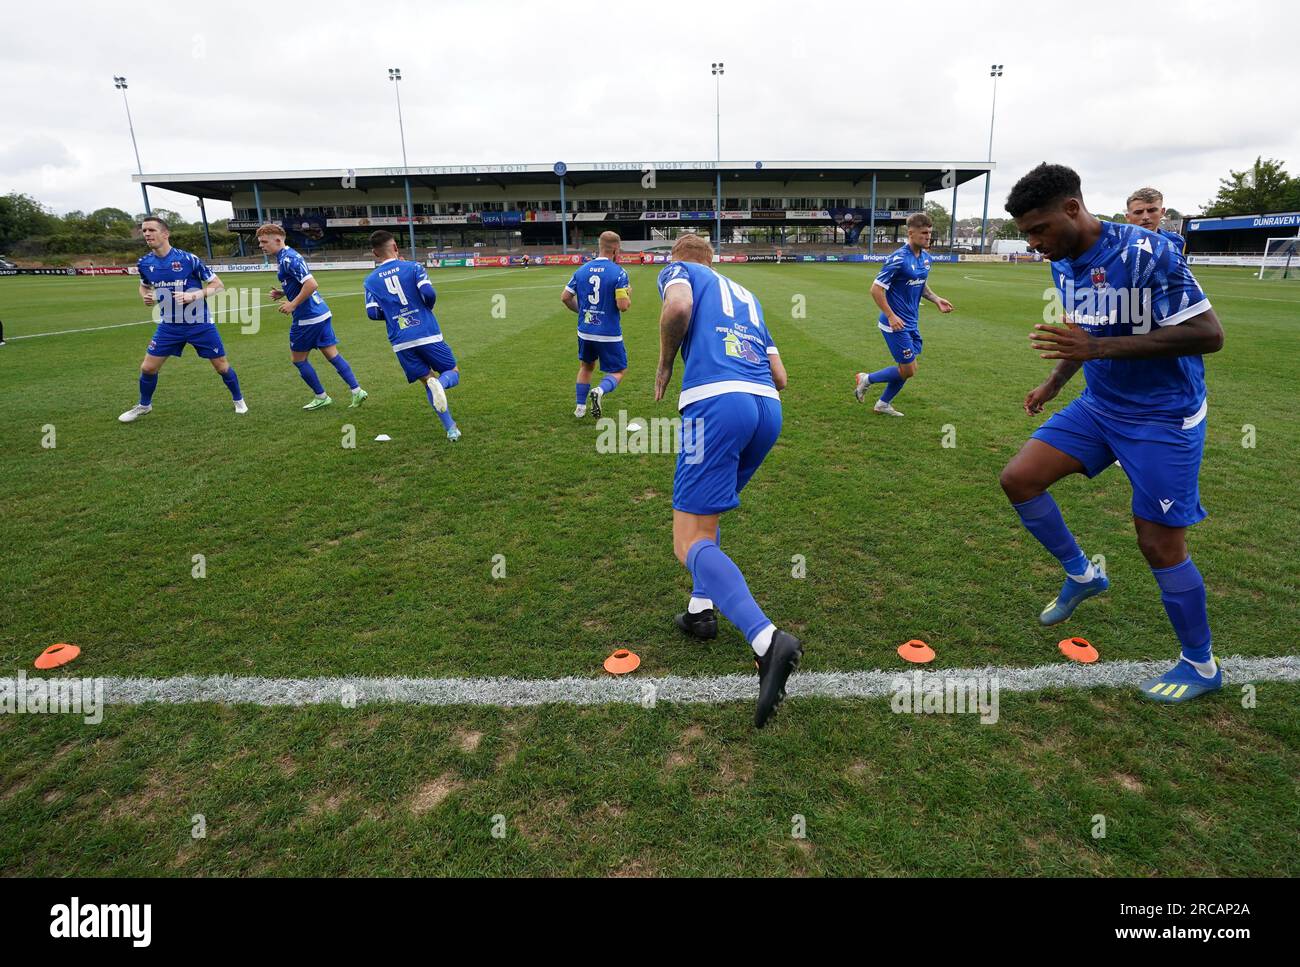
(514, 692)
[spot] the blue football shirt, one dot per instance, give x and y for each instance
(1130, 281)
(727, 343)
(292, 272)
(394, 288)
(903, 277)
(177, 271)
(598, 285)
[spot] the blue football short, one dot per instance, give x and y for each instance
(612, 355)
(419, 360)
(170, 339)
(316, 336)
(1162, 460)
(722, 442)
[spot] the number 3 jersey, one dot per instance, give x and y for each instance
(727, 343)
(598, 285)
(398, 288)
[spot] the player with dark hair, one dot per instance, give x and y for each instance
(178, 283)
(898, 290)
(1137, 323)
(400, 293)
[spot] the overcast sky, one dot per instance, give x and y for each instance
(1129, 94)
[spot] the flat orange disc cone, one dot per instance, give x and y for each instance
(621, 662)
(916, 651)
(56, 655)
(1078, 649)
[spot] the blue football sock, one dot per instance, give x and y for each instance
(1182, 590)
(449, 379)
(445, 417)
(345, 371)
(148, 383)
(696, 590)
(890, 375)
(583, 390)
(894, 387)
(719, 576)
(232, 383)
(1043, 519)
(608, 384)
(308, 373)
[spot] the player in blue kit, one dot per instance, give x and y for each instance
(178, 283)
(599, 293)
(311, 327)
(399, 293)
(731, 416)
(1137, 323)
(898, 290)
(1146, 207)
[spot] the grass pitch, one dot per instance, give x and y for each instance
(378, 560)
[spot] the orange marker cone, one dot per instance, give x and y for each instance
(1078, 649)
(916, 651)
(621, 662)
(56, 655)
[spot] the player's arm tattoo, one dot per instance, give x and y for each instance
(928, 294)
(1195, 337)
(673, 320)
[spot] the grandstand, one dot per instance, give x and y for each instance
(520, 206)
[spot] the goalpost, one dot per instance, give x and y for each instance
(1281, 259)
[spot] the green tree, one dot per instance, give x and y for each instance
(1265, 186)
(22, 216)
(1008, 230)
(942, 220)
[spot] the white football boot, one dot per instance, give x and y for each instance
(134, 413)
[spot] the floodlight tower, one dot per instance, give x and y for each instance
(395, 75)
(717, 205)
(995, 71)
(120, 84)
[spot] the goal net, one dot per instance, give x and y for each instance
(1281, 259)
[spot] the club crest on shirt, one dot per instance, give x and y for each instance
(1098, 275)
(176, 266)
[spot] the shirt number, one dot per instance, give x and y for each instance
(725, 288)
(395, 287)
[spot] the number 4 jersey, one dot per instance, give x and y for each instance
(399, 290)
(727, 343)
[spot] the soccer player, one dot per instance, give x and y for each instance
(731, 416)
(898, 291)
(1137, 323)
(1146, 207)
(599, 292)
(311, 327)
(178, 283)
(399, 293)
